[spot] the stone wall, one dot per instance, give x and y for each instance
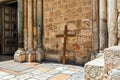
(77, 15)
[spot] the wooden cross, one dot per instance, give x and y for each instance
(65, 35)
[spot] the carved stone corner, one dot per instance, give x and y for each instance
(40, 55)
(19, 55)
(30, 55)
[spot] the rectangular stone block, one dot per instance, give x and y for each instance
(94, 69)
(114, 74)
(112, 58)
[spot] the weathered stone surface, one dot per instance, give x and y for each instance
(112, 58)
(35, 37)
(40, 55)
(118, 5)
(30, 24)
(119, 28)
(60, 77)
(30, 55)
(20, 23)
(94, 70)
(19, 55)
(52, 55)
(97, 55)
(114, 74)
(25, 26)
(79, 22)
(103, 36)
(82, 60)
(95, 39)
(112, 22)
(39, 23)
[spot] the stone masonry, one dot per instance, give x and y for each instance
(77, 15)
(110, 69)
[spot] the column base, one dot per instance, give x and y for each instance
(40, 55)
(30, 55)
(19, 55)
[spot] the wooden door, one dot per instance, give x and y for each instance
(0, 27)
(9, 29)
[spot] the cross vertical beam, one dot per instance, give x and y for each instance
(65, 36)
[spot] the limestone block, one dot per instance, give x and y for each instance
(52, 55)
(94, 69)
(114, 74)
(30, 55)
(39, 55)
(118, 5)
(19, 55)
(112, 58)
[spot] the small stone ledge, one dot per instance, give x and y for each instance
(94, 70)
(114, 74)
(112, 58)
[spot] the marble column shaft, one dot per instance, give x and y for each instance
(95, 25)
(39, 23)
(39, 52)
(35, 23)
(30, 25)
(112, 22)
(25, 26)
(20, 23)
(103, 31)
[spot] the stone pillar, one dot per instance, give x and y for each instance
(30, 53)
(119, 29)
(103, 24)
(35, 24)
(20, 53)
(39, 51)
(95, 28)
(118, 9)
(112, 22)
(25, 26)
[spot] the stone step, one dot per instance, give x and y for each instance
(94, 69)
(112, 58)
(114, 74)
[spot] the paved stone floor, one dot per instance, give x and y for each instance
(10, 70)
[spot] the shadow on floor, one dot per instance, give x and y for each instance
(6, 57)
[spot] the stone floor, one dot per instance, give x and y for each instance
(10, 70)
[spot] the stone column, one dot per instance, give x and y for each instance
(112, 22)
(35, 24)
(95, 41)
(103, 36)
(25, 26)
(39, 52)
(118, 9)
(20, 53)
(119, 29)
(30, 53)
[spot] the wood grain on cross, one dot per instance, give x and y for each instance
(65, 35)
